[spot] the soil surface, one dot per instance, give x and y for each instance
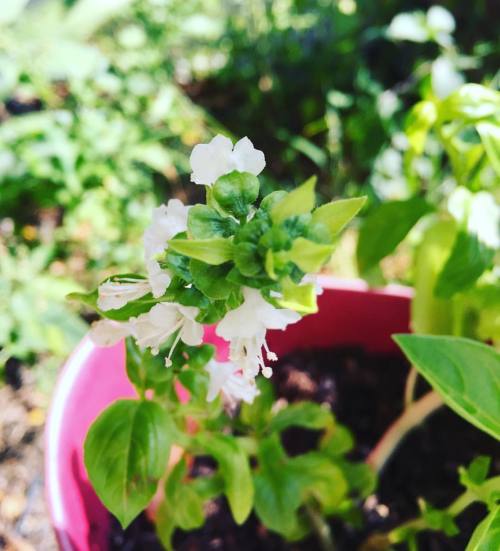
(24, 521)
(365, 393)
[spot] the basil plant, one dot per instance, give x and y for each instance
(245, 265)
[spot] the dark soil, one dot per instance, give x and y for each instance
(365, 393)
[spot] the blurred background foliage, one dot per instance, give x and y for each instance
(101, 102)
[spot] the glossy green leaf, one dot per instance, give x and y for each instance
(308, 415)
(486, 536)
(429, 313)
(126, 452)
(299, 201)
(236, 191)
(309, 256)
(419, 122)
(383, 230)
(145, 370)
(468, 259)
(215, 251)
(337, 214)
(466, 374)
(234, 468)
(205, 222)
(490, 136)
(211, 280)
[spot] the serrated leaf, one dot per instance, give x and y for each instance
(467, 261)
(299, 201)
(126, 453)
(214, 251)
(384, 229)
(466, 374)
(337, 214)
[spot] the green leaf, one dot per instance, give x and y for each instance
(211, 280)
(126, 452)
(302, 414)
(301, 298)
(471, 102)
(236, 191)
(278, 491)
(234, 469)
(145, 370)
(386, 227)
(466, 374)
(299, 201)
(467, 261)
(419, 122)
(247, 260)
(309, 256)
(429, 313)
(337, 214)
(257, 414)
(205, 222)
(337, 442)
(438, 520)
(490, 136)
(486, 536)
(215, 251)
(476, 473)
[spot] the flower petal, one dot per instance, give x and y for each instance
(248, 159)
(108, 333)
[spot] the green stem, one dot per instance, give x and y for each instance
(320, 527)
(411, 417)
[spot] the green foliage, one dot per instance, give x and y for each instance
(487, 534)
(126, 451)
(450, 365)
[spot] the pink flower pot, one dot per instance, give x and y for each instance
(349, 314)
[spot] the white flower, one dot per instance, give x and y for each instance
(217, 158)
(115, 294)
(440, 20)
(387, 104)
(152, 329)
(445, 78)
(228, 379)
(408, 26)
(108, 332)
(484, 219)
(245, 327)
(168, 221)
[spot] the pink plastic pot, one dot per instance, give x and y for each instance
(349, 314)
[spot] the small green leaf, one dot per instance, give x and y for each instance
(466, 373)
(247, 259)
(419, 122)
(236, 191)
(299, 201)
(486, 536)
(309, 256)
(476, 473)
(490, 136)
(301, 298)
(386, 227)
(213, 251)
(302, 414)
(439, 520)
(234, 469)
(337, 442)
(471, 102)
(205, 222)
(337, 214)
(126, 452)
(467, 261)
(211, 280)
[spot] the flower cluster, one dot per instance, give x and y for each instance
(237, 262)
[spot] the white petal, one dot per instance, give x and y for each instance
(484, 219)
(440, 19)
(248, 159)
(192, 333)
(210, 161)
(164, 314)
(408, 26)
(218, 373)
(445, 78)
(108, 332)
(158, 279)
(116, 294)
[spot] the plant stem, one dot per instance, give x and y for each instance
(411, 382)
(320, 527)
(411, 417)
